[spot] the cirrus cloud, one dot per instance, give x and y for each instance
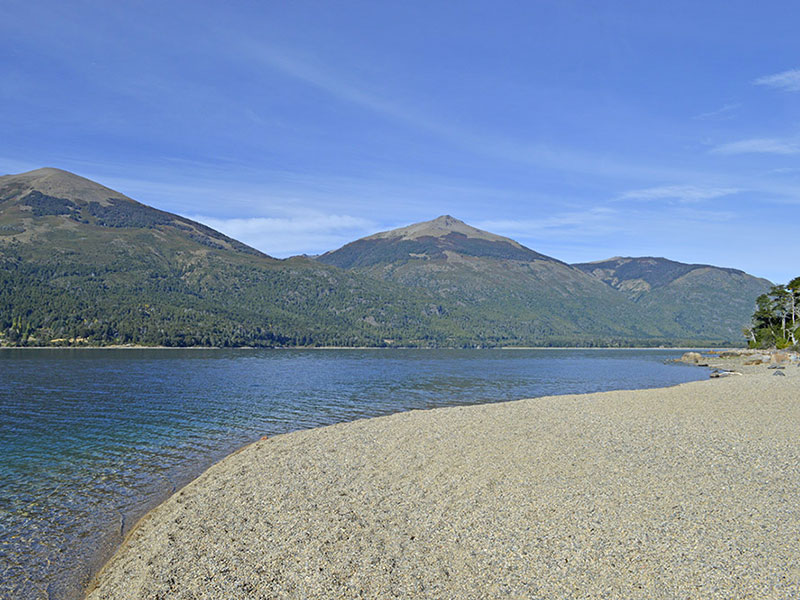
(681, 193)
(758, 146)
(788, 81)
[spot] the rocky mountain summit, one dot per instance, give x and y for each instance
(440, 239)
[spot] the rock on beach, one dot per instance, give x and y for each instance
(691, 491)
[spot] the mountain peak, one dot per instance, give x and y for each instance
(441, 239)
(37, 203)
(49, 174)
(43, 171)
(447, 221)
(441, 227)
(61, 184)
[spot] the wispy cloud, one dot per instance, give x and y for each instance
(758, 146)
(788, 81)
(306, 232)
(680, 193)
(596, 221)
(784, 171)
(724, 113)
(376, 99)
(327, 81)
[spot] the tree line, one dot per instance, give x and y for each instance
(776, 321)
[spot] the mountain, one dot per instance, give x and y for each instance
(83, 264)
(80, 262)
(701, 299)
(70, 202)
(440, 239)
(517, 293)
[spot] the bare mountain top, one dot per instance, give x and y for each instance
(441, 227)
(40, 204)
(437, 240)
(60, 184)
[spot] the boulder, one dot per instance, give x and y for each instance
(778, 358)
(692, 357)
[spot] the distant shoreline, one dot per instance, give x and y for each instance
(388, 348)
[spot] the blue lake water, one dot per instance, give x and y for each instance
(92, 439)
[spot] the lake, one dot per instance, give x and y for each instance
(91, 439)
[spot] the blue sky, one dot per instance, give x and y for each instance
(582, 129)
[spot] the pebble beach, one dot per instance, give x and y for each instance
(691, 491)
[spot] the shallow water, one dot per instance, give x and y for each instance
(91, 439)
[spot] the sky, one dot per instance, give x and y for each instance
(582, 129)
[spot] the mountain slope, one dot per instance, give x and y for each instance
(26, 200)
(700, 299)
(519, 295)
(81, 262)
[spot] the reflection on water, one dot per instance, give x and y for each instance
(90, 439)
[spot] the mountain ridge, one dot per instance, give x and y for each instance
(80, 264)
(648, 290)
(654, 270)
(70, 199)
(532, 291)
(80, 261)
(683, 293)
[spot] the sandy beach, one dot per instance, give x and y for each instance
(684, 492)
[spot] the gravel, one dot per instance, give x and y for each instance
(684, 492)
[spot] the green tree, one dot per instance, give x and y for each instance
(776, 321)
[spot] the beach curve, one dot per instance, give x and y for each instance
(688, 491)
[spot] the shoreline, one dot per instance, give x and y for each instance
(303, 454)
(604, 348)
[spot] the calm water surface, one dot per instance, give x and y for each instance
(91, 439)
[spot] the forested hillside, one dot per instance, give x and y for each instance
(701, 300)
(524, 293)
(82, 264)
